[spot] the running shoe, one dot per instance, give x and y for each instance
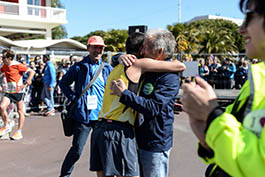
(26, 114)
(4, 130)
(17, 136)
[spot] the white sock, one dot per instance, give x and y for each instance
(8, 126)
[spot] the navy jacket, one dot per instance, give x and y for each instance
(81, 74)
(155, 104)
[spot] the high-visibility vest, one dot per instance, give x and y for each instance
(237, 136)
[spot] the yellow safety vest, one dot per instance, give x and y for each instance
(237, 137)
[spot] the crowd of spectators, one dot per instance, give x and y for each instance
(229, 74)
(35, 102)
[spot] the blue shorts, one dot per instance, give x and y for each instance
(113, 149)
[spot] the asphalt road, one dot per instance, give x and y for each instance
(42, 150)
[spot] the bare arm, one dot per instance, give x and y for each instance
(31, 74)
(151, 65)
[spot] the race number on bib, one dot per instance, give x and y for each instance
(92, 102)
(11, 87)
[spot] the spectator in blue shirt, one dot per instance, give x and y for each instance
(49, 81)
(229, 72)
(81, 73)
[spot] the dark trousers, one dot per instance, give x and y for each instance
(80, 135)
(35, 98)
(228, 83)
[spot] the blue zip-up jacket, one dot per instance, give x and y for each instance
(155, 103)
(231, 70)
(81, 73)
(49, 77)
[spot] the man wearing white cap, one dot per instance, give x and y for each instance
(84, 116)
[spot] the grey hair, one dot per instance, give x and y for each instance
(162, 39)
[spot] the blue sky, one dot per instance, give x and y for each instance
(85, 16)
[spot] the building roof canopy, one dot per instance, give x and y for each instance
(43, 43)
(203, 17)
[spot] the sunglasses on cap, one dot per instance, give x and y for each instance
(249, 14)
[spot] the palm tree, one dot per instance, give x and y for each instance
(186, 37)
(218, 36)
(207, 36)
(217, 40)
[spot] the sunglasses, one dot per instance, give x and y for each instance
(249, 14)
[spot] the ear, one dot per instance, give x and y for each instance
(160, 53)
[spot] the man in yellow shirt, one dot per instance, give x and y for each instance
(113, 145)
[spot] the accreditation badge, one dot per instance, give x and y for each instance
(140, 119)
(254, 121)
(92, 102)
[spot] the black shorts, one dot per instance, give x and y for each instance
(14, 97)
(113, 149)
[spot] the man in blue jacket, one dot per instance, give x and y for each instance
(229, 72)
(49, 81)
(154, 132)
(81, 74)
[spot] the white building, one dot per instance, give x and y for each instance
(29, 16)
(34, 18)
(204, 17)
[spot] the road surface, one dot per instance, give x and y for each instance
(41, 152)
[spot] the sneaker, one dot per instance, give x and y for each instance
(17, 136)
(50, 113)
(26, 114)
(4, 130)
(5, 137)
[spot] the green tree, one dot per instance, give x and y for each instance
(56, 3)
(217, 40)
(218, 36)
(186, 37)
(85, 38)
(177, 29)
(115, 40)
(208, 36)
(58, 32)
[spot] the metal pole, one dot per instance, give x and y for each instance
(179, 8)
